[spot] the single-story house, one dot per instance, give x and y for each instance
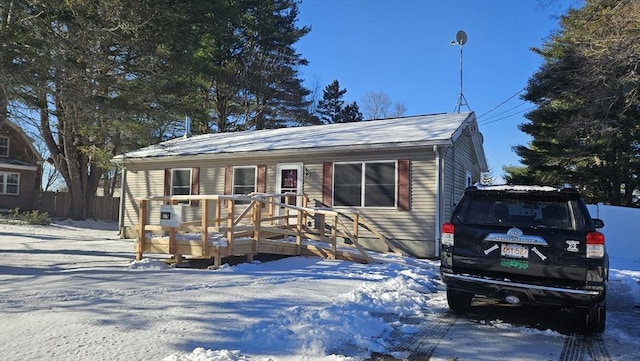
(404, 175)
(20, 169)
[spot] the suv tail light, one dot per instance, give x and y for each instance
(595, 245)
(447, 234)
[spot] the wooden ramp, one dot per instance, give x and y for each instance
(221, 226)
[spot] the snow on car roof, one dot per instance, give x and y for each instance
(520, 188)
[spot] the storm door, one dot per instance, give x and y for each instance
(289, 180)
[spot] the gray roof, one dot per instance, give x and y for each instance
(413, 131)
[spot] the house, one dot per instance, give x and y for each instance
(404, 175)
(20, 169)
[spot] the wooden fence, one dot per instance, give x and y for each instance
(58, 204)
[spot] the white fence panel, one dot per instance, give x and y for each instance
(621, 231)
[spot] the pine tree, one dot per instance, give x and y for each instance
(351, 113)
(331, 105)
(332, 109)
(586, 125)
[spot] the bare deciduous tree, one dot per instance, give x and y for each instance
(378, 105)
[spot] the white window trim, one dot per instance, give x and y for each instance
(3, 185)
(468, 179)
(255, 177)
(7, 146)
(362, 184)
(173, 178)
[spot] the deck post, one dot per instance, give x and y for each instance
(218, 221)
(322, 224)
(272, 212)
(230, 219)
(142, 222)
(356, 227)
(257, 222)
(172, 241)
(299, 228)
(334, 236)
(205, 228)
(286, 212)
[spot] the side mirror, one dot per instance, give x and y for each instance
(598, 223)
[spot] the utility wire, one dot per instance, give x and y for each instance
(492, 118)
(501, 104)
(509, 115)
(489, 121)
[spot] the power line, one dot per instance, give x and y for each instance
(510, 115)
(499, 105)
(490, 119)
(591, 16)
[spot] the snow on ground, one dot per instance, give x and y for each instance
(70, 291)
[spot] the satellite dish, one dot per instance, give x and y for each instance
(461, 37)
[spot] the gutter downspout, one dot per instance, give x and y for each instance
(123, 180)
(438, 200)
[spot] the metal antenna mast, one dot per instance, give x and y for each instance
(461, 39)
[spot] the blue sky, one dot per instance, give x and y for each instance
(402, 48)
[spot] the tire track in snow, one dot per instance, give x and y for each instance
(582, 348)
(422, 344)
(24, 301)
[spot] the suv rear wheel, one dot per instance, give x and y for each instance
(595, 318)
(459, 301)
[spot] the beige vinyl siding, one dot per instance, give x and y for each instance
(414, 229)
(140, 184)
(459, 159)
(143, 183)
(313, 182)
(417, 224)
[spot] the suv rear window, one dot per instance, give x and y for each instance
(513, 209)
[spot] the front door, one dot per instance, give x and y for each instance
(289, 180)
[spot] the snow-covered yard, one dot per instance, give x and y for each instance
(70, 291)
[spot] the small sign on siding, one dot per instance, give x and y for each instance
(170, 215)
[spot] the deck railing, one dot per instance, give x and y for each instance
(219, 226)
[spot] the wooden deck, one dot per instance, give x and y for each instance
(221, 226)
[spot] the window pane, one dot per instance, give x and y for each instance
(289, 179)
(4, 146)
(9, 183)
(181, 182)
(380, 184)
(347, 183)
(244, 180)
(181, 178)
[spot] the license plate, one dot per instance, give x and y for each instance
(514, 251)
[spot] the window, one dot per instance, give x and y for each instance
(468, 179)
(9, 183)
(4, 147)
(366, 184)
(244, 180)
(181, 182)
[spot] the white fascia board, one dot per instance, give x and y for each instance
(120, 160)
(18, 167)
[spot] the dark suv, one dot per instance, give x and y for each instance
(526, 244)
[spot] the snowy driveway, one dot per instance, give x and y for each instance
(72, 293)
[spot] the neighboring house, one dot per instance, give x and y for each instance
(20, 169)
(404, 175)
